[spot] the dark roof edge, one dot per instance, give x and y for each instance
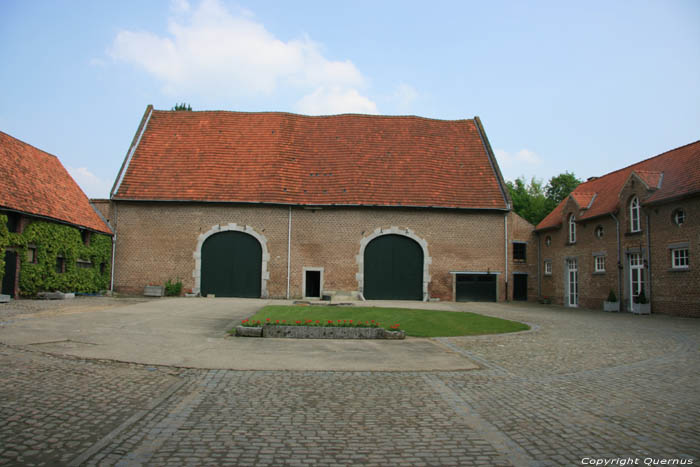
(670, 199)
(60, 221)
(493, 162)
(132, 148)
(308, 205)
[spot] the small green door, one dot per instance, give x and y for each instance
(393, 269)
(231, 265)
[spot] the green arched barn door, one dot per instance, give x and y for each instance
(393, 269)
(231, 265)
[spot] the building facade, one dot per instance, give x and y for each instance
(51, 238)
(634, 232)
(283, 205)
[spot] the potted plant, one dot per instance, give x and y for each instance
(611, 304)
(641, 305)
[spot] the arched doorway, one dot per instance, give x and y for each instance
(393, 269)
(231, 265)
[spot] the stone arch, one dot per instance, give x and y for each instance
(360, 259)
(197, 274)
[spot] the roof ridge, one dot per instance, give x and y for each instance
(637, 163)
(279, 112)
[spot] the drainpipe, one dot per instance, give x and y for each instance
(505, 229)
(619, 260)
(649, 260)
(114, 250)
(289, 248)
(539, 265)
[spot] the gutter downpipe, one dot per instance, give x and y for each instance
(114, 251)
(539, 265)
(289, 248)
(619, 260)
(649, 262)
(505, 228)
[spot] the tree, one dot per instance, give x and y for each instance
(182, 107)
(533, 202)
(560, 186)
(529, 200)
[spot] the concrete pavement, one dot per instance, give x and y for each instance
(191, 332)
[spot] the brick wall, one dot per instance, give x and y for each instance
(675, 291)
(157, 242)
(520, 230)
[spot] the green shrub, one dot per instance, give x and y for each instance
(611, 296)
(173, 289)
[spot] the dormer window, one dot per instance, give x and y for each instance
(572, 228)
(635, 215)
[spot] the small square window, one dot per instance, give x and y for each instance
(519, 252)
(84, 264)
(547, 268)
(548, 240)
(680, 258)
(599, 231)
(599, 264)
(31, 255)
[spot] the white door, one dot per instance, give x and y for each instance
(572, 281)
(636, 277)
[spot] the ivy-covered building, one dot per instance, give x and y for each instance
(51, 237)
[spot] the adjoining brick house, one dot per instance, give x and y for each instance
(51, 238)
(636, 229)
(284, 205)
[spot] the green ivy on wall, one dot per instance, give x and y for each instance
(51, 241)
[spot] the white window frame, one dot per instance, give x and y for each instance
(599, 263)
(679, 217)
(572, 229)
(572, 282)
(547, 268)
(680, 258)
(635, 215)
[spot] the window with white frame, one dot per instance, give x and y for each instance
(635, 213)
(547, 268)
(572, 228)
(679, 217)
(599, 263)
(680, 258)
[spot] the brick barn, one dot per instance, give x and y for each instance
(51, 238)
(284, 205)
(636, 229)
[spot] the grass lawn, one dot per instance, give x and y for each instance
(417, 323)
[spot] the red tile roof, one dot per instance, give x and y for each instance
(284, 158)
(36, 182)
(670, 175)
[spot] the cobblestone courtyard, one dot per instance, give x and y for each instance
(583, 385)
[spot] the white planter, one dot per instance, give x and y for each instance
(154, 291)
(611, 306)
(641, 308)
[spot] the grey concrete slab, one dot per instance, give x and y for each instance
(191, 332)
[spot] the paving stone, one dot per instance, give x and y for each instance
(584, 384)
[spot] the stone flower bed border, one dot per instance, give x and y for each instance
(318, 331)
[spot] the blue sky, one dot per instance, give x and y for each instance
(587, 87)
